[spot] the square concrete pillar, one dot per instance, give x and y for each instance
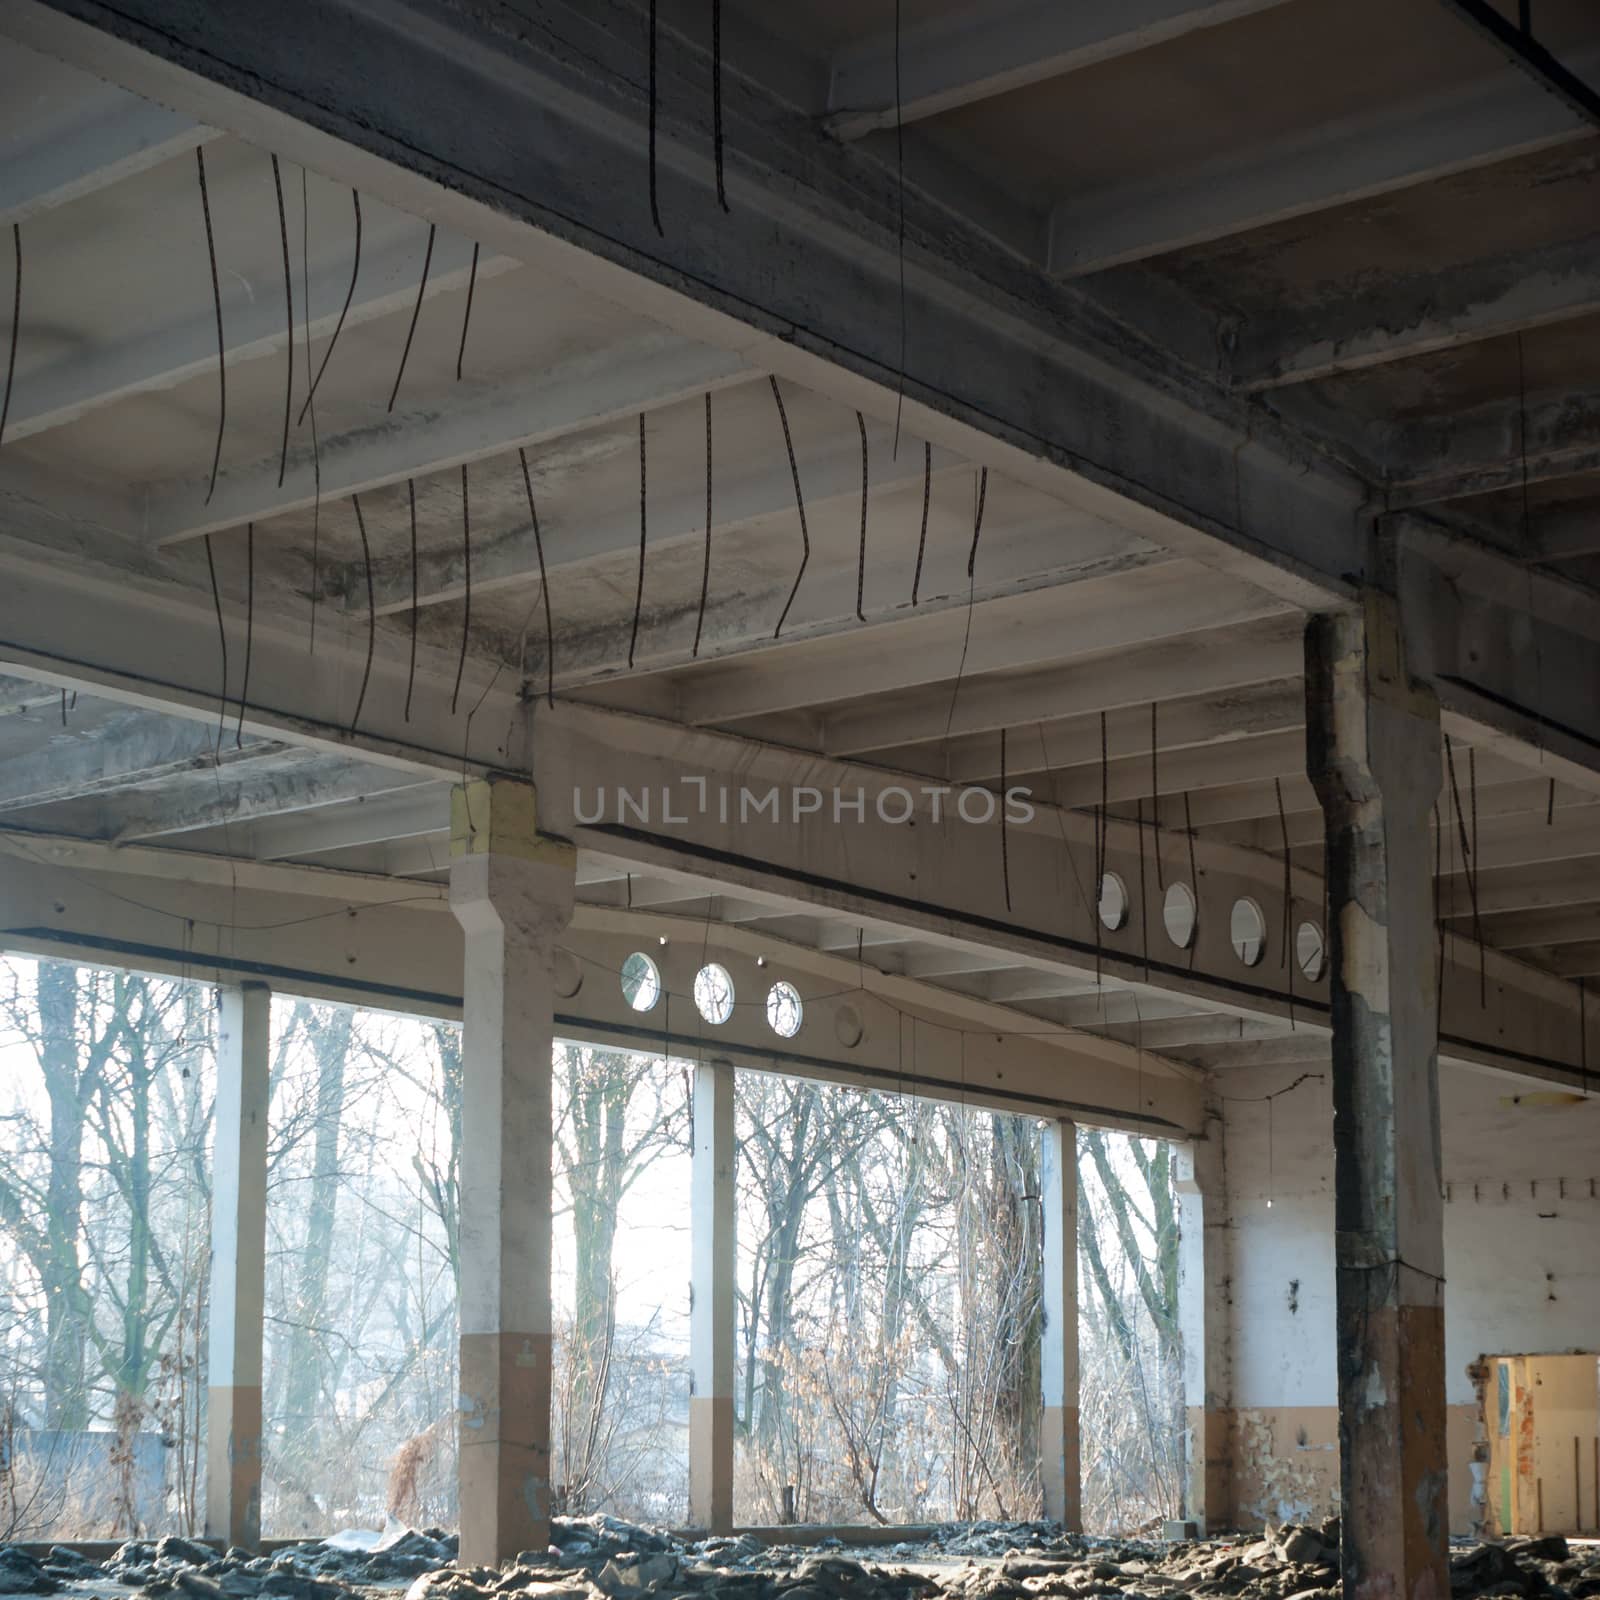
(711, 1310)
(1059, 1469)
(238, 1268)
(511, 889)
(1373, 745)
(1204, 1316)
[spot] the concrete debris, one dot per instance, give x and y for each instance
(21, 1574)
(604, 1558)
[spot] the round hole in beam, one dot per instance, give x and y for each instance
(848, 1027)
(1310, 951)
(784, 1010)
(641, 982)
(713, 993)
(1179, 914)
(1112, 905)
(1247, 931)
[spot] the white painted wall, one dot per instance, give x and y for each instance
(1283, 1334)
(1522, 1230)
(1522, 1256)
(1522, 1265)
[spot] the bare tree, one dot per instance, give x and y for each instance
(1128, 1231)
(889, 1278)
(614, 1117)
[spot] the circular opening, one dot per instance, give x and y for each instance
(1310, 951)
(784, 1010)
(1113, 904)
(1178, 912)
(847, 1026)
(713, 993)
(1247, 931)
(641, 982)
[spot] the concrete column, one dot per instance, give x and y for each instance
(511, 889)
(711, 1311)
(238, 1268)
(1373, 745)
(1058, 1434)
(1205, 1299)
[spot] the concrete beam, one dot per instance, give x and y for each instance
(1373, 752)
(1089, 617)
(111, 135)
(1569, 960)
(1516, 42)
(940, 962)
(1564, 535)
(1018, 984)
(133, 749)
(1539, 887)
(360, 939)
(401, 813)
(1259, 757)
(1420, 313)
(1526, 840)
(825, 642)
(1186, 724)
(1310, 1045)
(1501, 795)
(1204, 662)
(967, 56)
(422, 436)
(1105, 1007)
(1527, 930)
(1495, 118)
(512, 559)
(1488, 448)
(134, 861)
(157, 360)
(422, 856)
(712, 1304)
(305, 785)
(1511, 651)
(1182, 1035)
(128, 636)
(1060, 1471)
(238, 1267)
(882, 873)
(19, 698)
(946, 877)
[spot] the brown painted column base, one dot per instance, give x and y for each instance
(1210, 1466)
(711, 1463)
(1397, 1459)
(233, 1465)
(1058, 1468)
(505, 1469)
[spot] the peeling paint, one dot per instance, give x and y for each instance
(1272, 1485)
(1376, 1396)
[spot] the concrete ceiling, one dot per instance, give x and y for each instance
(1358, 222)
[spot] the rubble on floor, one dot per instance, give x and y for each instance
(604, 1558)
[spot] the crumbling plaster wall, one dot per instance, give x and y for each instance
(1522, 1263)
